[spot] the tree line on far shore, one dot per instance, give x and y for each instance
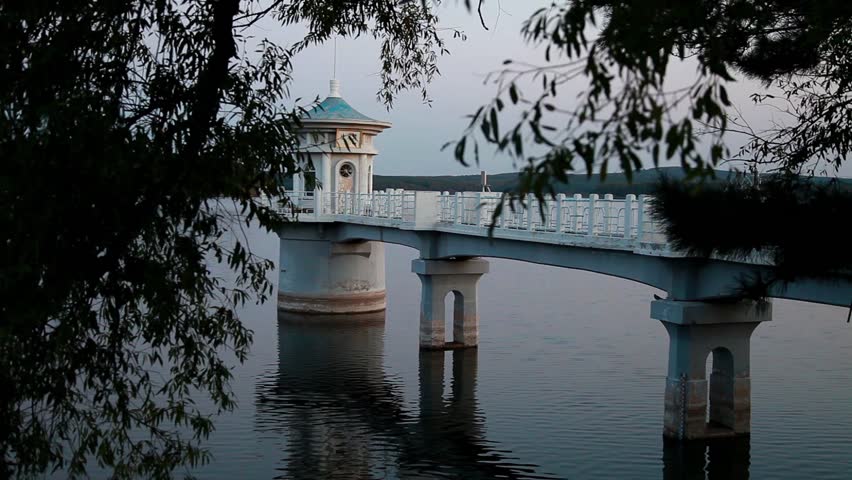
(644, 182)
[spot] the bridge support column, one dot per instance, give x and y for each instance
(438, 278)
(323, 277)
(696, 330)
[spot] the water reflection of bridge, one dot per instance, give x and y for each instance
(341, 415)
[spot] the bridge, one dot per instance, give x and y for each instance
(702, 312)
(332, 262)
(600, 234)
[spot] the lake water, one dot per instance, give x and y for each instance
(567, 382)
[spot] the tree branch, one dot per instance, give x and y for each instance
(214, 76)
(479, 11)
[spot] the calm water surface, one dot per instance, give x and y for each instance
(567, 382)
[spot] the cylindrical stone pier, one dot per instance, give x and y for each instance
(697, 330)
(323, 277)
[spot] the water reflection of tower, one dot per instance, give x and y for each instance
(326, 370)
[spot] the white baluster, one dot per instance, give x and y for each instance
(640, 218)
(592, 205)
(608, 213)
(558, 224)
(529, 211)
(317, 202)
(478, 213)
(629, 200)
(387, 204)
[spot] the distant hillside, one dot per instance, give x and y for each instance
(615, 183)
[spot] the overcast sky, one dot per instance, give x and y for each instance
(413, 145)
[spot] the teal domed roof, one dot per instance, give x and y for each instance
(336, 108)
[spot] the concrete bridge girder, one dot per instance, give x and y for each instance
(688, 279)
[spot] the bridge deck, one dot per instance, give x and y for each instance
(595, 221)
(612, 236)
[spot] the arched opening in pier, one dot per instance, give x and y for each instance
(720, 388)
(453, 308)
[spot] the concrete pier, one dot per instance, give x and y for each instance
(323, 277)
(438, 278)
(696, 330)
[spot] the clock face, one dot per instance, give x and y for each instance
(345, 178)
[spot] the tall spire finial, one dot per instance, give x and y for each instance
(334, 84)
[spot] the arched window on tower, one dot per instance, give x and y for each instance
(310, 179)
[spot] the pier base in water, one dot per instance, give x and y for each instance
(323, 277)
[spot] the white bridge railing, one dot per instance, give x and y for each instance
(577, 215)
(391, 204)
(616, 222)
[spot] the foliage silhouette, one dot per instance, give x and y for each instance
(136, 140)
(793, 223)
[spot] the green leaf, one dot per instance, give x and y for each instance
(513, 93)
(723, 95)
